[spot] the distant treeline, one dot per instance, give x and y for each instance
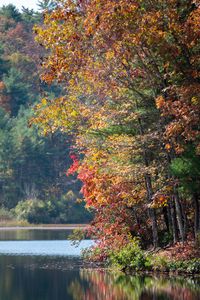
(33, 181)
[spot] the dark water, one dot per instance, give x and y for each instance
(28, 235)
(51, 269)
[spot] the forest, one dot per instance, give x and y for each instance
(130, 76)
(33, 182)
(103, 97)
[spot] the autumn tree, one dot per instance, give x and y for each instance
(130, 71)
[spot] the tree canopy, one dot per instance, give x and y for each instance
(130, 72)
(33, 180)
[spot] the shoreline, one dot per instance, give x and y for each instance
(43, 227)
(164, 274)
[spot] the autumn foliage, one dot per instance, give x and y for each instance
(130, 70)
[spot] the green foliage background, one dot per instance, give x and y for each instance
(33, 181)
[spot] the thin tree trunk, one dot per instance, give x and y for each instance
(185, 221)
(152, 211)
(172, 206)
(166, 219)
(179, 216)
(149, 189)
(196, 215)
(174, 223)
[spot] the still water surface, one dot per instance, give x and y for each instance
(43, 265)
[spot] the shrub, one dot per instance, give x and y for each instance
(32, 210)
(5, 215)
(185, 266)
(159, 263)
(131, 257)
(62, 210)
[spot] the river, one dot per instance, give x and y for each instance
(43, 265)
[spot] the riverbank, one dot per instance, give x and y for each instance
(180, 259)
(176, 259)
(167, 268)
(26, 226)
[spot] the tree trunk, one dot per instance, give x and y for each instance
(174, 223)
(179, 216)
(196, 215)
(149, 189)
(167, 219)
(185, 221)
(152, 211)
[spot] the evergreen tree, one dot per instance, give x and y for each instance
(32, 167)
(46, 5)
(17, 90)
(11, 12)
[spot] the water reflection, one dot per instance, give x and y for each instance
(34, 234)
(60, 278)
(109, 286)
(45, 277)
(36, 278)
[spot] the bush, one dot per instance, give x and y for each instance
(32, 210)
(160, 263)
(185, 266)
(63, 210)
(5, 215)
(131, 257)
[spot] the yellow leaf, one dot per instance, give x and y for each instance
(74, 113)
(44, 101)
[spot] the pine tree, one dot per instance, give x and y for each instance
(46, 5)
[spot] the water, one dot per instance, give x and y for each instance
(42, 265)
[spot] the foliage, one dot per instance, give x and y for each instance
(130, 257)
(5, 215)
(163, 264)
(53, 211)
(46, 5)
(31, 166)
(191, 266)
(131, 100)
(16, 90)
(10, 12)
(32, 210)
(187, 169)
(77, 236)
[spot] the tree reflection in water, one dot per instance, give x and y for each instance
(103, 285)
(56, 278)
